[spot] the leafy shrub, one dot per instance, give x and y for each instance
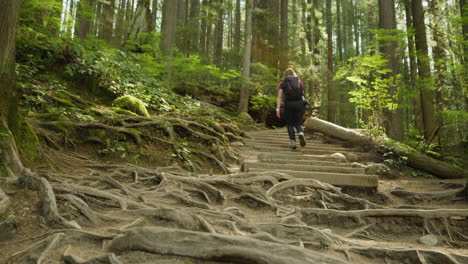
(369, 75)
(264, 79)
(189, 75)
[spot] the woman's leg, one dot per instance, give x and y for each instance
(298, 120)
(291, 133)
(289, 116)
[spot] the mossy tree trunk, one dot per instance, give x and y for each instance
(8, 94)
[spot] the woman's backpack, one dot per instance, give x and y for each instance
(293, 89)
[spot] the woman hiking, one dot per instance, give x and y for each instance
(291, 91)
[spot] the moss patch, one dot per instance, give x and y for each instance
(3, 171)
(131, 103)
(245, 119)
(27, 141)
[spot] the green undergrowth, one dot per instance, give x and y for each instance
(125, 106)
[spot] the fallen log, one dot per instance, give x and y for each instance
(416, 160)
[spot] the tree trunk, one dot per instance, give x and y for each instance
(107, 20)
(284, 36)
(356, 26)
(181, 35)
(85, 18)
(425, 84)
(387, 22)
(339, 31)
(195, 24)
(142, 20)
(308, 26)
(168, 27)
(317, 35)
(331, 94)
(8, 94)
(202, 46)
(154, 15)
(439, 57)
(120, 23)
(244, 92)
(237, 28)
(209, 29)
(294, 24)
(219, 32)
(304, 25)
(464, 16)
(413, 67)
(265, 43)
(415, 159)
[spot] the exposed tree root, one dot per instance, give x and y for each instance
(254, 201)
(213, 247)
(301, 182)
(212, 192)
(448, 222)
(4, 202)
(114, 183)
(49, 206)
(324, 195)
(37, 253)
(83, 208)
(110, 258)
(213, 216)
(396, 256)
(84, 191)
(304, 233)
(8, 227)
(451, 195)
(173, 218)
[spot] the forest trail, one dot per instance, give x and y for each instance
(276, 212)
(268, 150)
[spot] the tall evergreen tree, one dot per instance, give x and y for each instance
(331, 93)
(244, 92)
(8, 92)
(284, 36)
(168, 26)
(107, 20)
(219, 32)
(388, 47)
(424, 70)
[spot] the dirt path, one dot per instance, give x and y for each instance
(273, 210)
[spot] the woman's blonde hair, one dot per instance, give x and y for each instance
(289, 72)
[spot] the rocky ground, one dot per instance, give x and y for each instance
(275, 206)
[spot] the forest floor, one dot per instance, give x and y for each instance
(114, 212)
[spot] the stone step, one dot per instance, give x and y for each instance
(289, 155)
(298, 150)
(284, 145)
(269, 158)
(247, 166)
(286, 142)
(338, 179)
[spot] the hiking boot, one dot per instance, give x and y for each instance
(302, 139)
(292, 145)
